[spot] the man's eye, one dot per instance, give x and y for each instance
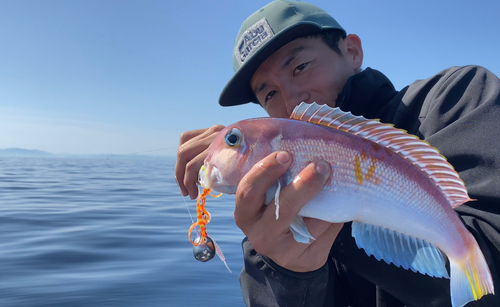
(270, 95)
(300, 68)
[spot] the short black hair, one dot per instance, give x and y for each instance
(331, 38)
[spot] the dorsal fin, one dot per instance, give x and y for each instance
(418, 152)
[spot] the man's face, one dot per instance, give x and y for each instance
(305, 69)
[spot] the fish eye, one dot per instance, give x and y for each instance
(233, 137)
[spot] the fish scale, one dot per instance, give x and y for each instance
(397, 190)
(345, 173)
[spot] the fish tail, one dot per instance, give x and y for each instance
(470, 279)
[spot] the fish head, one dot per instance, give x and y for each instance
(233, 153)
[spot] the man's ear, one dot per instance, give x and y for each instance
(353, 50)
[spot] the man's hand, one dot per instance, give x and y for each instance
(193, 149)
(272, 237)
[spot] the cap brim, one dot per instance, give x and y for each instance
(238, 90)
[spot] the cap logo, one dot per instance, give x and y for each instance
(252, 39)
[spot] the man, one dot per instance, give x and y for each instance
(289, 52)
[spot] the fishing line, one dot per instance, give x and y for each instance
(185, 203)
(189, 211)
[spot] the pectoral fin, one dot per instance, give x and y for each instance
(402, 250)
(297, 227)
(272, 192)
(299, 230)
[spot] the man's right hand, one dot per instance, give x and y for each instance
(192, 151)
(272, 237)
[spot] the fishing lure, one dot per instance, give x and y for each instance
(204, 247)
(203, 218)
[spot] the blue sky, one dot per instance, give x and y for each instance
(129, 76)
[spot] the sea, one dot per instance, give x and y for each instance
(109, 232)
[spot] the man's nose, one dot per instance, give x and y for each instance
(293, 96)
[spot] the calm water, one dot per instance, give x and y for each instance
(108, 232)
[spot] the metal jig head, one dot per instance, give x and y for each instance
(205, 250)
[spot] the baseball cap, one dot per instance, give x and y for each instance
(263, 33)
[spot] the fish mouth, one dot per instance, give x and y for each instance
(210, 177)
(205, 175)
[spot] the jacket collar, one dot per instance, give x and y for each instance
(367, 93)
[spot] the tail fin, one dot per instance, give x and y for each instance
(471, 279)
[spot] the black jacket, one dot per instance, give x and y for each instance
(458, 112)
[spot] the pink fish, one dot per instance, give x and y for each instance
(397, 189)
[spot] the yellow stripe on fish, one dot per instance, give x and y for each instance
(360, 163)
